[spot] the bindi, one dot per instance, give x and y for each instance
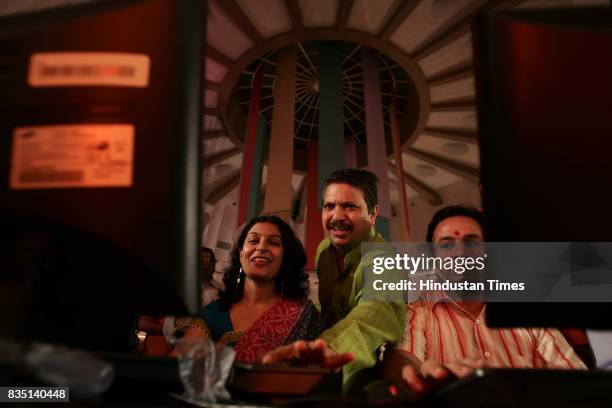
(456, 233)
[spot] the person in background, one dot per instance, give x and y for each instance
(208, 262)
(175, 327)
(265, 302)
(445, 337)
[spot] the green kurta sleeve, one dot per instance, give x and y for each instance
(368, 325)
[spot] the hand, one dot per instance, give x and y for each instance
(309, 352)
(431, 374)
(194, 332)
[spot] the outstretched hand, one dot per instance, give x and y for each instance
(308, 352)
(432, 374)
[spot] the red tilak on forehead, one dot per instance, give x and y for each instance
(456, 233)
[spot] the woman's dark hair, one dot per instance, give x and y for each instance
(291, 281)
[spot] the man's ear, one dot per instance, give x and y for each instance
(374, 214)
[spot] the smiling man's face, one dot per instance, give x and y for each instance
(345, 216)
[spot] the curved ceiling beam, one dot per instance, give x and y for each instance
(218, 56)
(453, 135)
(218, 157)
(295, 12)
(213, 86)
(461, 104)
(344, 12)
(442, 39)
(218, 189)
(398, 16)
(456, 72)
(454, 28)
(234, 122)
(214, 134)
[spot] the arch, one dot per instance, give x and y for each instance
(411, 125)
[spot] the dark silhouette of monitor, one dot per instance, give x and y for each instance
(545, 121)
(99, 184)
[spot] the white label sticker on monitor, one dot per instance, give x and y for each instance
(88, 69)
(72, 156)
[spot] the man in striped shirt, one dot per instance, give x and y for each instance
(444, 337)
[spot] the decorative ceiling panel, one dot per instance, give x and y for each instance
(235, 162)
(453, 120)
(394, 189)
(441, 179)
(224, 34)
(460, 152)
(425, 19)
(216, 145)
(270, 17)
(215, 72)
(452, 90)
(222, 170)
(210, 98)
(370, 16)
(319, 13)
(394, 193)
(212, 123)
(454, 53)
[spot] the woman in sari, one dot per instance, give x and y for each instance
(265, 303)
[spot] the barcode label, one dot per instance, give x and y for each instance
(70, 156)
(88, 69)
(50, 176)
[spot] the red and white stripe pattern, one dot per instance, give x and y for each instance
(444, 332)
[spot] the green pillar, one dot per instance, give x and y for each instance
(258, 161)
(383, 227)
(331, 119)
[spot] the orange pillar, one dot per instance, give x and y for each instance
(314, 226)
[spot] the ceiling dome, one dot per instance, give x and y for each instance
(393, 80)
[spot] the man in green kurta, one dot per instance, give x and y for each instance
(355, 325)
(357, 328)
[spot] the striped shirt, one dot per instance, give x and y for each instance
(444, 332)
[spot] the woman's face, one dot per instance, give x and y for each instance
(261, 255)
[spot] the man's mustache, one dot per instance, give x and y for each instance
(338, 224)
